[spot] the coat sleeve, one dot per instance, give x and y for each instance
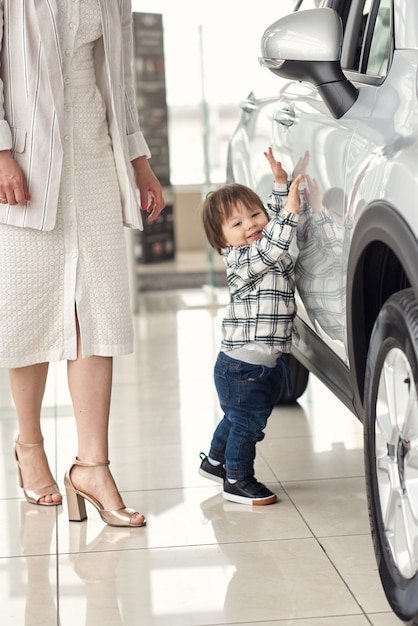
(5, 132)
(136, 141)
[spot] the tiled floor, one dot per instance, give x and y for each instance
(305, 561)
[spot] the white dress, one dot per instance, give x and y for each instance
(46, 277)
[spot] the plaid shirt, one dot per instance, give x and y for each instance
(261, 283)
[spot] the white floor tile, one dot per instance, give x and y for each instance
(201, 560)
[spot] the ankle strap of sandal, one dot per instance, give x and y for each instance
(90, 464)
(29, 445)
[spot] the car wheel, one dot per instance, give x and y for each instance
(391, 450)
(299, 376)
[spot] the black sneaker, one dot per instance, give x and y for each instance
(248, 491)
(213, 472)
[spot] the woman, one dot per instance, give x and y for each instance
(71, 157)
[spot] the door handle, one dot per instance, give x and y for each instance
(248, 106)
(285, 117)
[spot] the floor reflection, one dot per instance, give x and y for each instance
(37, 534)
(98, 573)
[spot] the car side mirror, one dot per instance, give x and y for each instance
(306, 46)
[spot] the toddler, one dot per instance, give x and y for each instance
(257, 327)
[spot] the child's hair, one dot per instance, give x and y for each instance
(219, 205)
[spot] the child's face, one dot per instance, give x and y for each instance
(244, 226)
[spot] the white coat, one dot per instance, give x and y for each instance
(32, 104)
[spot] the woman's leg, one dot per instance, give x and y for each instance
(90, 382)
(27, 385)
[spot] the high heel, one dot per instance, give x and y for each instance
(77, 506)
(33, 496)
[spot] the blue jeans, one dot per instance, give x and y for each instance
(247, 395)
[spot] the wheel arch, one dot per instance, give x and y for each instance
(383, 259)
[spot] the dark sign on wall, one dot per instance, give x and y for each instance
(151, 90)
(156, 241)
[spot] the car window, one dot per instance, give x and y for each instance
(380, 42)
(354, 34)
(303, 5)
(367, 39)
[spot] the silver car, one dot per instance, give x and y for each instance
(346, 114)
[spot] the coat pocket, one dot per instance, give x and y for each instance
(18, 139)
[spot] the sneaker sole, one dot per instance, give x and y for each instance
(216, 479)
(251, 501)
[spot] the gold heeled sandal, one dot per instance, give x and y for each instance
(77, 506)
(31, 495)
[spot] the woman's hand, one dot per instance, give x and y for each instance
(150, 190)
(13, 186)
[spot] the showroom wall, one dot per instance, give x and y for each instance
(211, 59)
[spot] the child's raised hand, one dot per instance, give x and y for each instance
(279, 175)
(313, 194)
(293, 199)
(302, 165)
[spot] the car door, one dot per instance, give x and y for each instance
(334, 154)
(307, 139)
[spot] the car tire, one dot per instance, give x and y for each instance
(299, 377)
(391, 450)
